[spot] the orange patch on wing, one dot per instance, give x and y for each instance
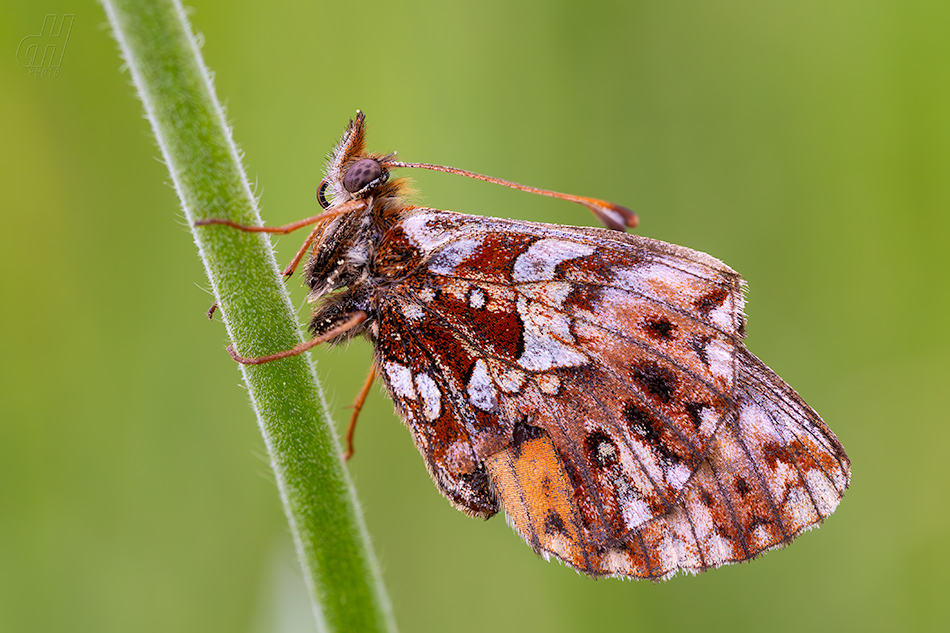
(532, 484)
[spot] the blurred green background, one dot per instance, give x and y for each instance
(806, 144)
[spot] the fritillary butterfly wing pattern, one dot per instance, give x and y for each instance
(591, 383)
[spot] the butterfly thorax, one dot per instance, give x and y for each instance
(345, 273)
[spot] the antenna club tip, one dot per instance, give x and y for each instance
(632, 220)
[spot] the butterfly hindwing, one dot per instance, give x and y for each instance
(615, 364)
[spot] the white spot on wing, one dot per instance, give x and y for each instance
(617, 561)
(552, 293)
(636, 512)
(559, 545)
(677, 476)
(606, 452)
(548, 383)
(400, 379)
(545, 331)
(720, 356)
(412, 311)
(825, 496)
(481, 391)
(476, 299)
(701, 516)
(798, 509)
(538, 262)
(722, 316)
(709, 420)
(757, 425)
(431, 396)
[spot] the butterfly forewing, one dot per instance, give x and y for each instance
(587, 337)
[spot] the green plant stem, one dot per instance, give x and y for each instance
(166, 66)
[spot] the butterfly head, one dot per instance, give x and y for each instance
(352, 173)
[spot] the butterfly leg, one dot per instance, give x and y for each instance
(314, 234)
(357, 407)
(318, 220)
(355, 319)
(283, 230)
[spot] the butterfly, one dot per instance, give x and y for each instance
(590, 382)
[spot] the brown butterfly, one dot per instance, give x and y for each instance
(591, 382)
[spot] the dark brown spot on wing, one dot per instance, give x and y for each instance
(641, 423)
(655, 380)
(553, 523)
(524, 432)
(477, 481)
(742, 487)
(661, 329)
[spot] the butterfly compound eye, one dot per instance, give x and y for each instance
(362, 173)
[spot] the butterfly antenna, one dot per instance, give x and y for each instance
(612, 215)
